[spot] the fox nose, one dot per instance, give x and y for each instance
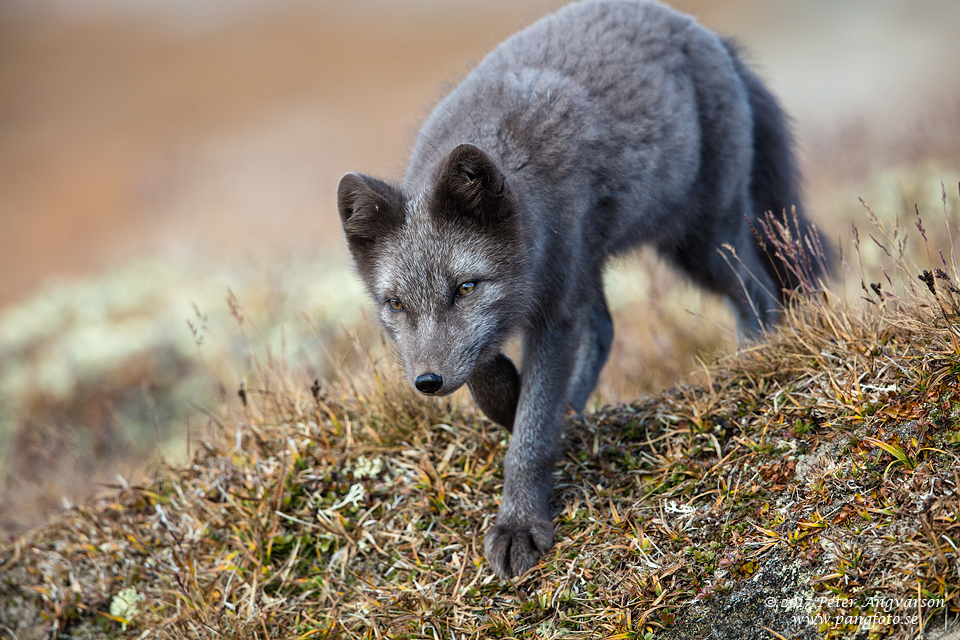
(428, 383)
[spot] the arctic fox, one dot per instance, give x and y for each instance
(607, 125)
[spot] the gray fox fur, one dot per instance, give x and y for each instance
(607, 125)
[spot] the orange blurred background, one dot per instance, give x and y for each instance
(221, 129)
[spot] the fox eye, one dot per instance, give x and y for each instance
(466, 288)
(395, 304)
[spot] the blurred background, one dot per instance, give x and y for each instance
(168, 171)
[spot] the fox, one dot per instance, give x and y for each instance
(605, 126)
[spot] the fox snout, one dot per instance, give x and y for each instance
(433, 378)
(428, 383)
(437, 358)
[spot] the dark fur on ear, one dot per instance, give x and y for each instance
(471, 188)
(370, 210)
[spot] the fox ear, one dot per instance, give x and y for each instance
(370, 209)
(470, 185)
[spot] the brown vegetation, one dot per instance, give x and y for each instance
(813, 473)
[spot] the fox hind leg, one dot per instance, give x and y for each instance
(751, 291)
(729, 262)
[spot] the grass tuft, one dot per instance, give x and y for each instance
(805, 486)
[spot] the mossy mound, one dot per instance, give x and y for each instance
(806, 487)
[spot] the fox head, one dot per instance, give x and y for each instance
(444, 266)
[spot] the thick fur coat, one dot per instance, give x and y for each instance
(607, 125)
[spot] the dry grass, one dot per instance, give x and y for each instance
(100, 375)
(812, 474)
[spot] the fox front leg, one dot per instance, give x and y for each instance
(595, 340)
(495, 386)
(524, 528)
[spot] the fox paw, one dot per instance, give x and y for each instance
(512, 548)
